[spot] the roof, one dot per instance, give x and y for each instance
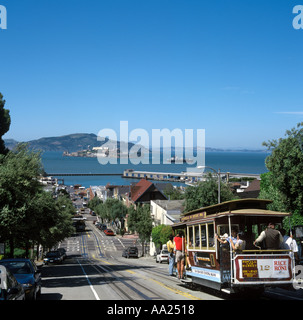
(249, 206)
(139, 189)
(168, 205)
(252, 191)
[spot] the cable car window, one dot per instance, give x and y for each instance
(197, 237)
(224, 229)
(203, 236)
(211, 236)
(190, 237)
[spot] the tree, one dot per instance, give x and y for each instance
(173, 193)
(269, 191)
(29, 215)
(92, 204)
(206, 194)
(140, 221)
(111, 209)
(5, 122)
(18, 186)
(160, 234)
(285, 164)
(63, 227)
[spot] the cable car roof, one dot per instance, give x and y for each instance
(249, 206)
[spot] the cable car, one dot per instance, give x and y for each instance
(216, 264)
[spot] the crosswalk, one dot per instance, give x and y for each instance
(81, 244)
(71, 245)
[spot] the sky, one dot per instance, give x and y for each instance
(233, 68)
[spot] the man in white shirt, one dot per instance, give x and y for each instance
(290, 244)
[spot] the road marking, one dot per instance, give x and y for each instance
(94, 257)
(182, 293)
(121, 243)
(90, 284)
(133, 272)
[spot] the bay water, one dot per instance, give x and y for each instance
(234, 162)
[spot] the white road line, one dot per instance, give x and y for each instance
(121, 243)
(90, 284)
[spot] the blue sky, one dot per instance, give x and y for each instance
(232, 68)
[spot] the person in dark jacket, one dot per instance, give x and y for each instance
(272, 237)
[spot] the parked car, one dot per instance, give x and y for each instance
(10, 288)
(109, 232)
(162, 256)
(53, 257)
(27, 274)
(130, 252)
(102, 226)
(62, 252)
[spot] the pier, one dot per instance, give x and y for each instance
(81, 174)
(183, 176)
(161, 176)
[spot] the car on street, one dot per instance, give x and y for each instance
(163, 256)
(27, 274)
(109, 232)
(62, 252)
(53, 257)
(130, 252)
(10, 288)
(102, 226)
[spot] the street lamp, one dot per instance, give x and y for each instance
(219, 179)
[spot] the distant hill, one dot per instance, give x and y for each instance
(82, 141)
(71, 143)
(10, 143)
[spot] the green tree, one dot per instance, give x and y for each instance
(18, 186)
(111, 209)
(92, 204)
(160, 234)
(269, 191)
(63, 227)
(29, 215)
(173, 193)
(39, 218)
(5, 122)
(140, 221)
(206, 194)
(285, 164)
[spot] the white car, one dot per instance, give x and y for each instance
(162, 256)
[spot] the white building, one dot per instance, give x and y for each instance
(165, 212)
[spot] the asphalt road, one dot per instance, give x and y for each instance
(96, 270)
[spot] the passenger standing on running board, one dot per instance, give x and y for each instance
(171, 260)
(179, 248)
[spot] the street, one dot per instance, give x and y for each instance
(95, 270)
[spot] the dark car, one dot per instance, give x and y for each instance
(53, 257)
(62, 252)
(101, 226)
(10, 288)
(130, 252)
(26, 273)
